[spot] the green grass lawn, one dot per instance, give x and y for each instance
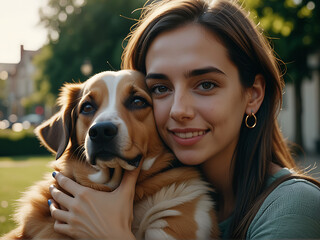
(16, 175)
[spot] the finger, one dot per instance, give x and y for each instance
(58, 214)
(129, 180)
(60, 197)
(63, 228)
(67, 184)
(53, 202)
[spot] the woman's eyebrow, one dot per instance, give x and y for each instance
(191, 73)
(156, 76)
(205, 70)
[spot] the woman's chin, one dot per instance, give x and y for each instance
(189, 158)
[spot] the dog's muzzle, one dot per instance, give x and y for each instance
(103, 151)
(103, 144)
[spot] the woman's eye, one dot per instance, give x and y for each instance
(206, 86)
(87, 108)
(160, 89)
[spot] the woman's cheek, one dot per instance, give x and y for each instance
(161, 115)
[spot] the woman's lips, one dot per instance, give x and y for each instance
(187, 137)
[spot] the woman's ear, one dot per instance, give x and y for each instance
(256, 94)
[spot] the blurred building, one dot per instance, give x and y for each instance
(311, 108)
(5, 70)
(19, 83)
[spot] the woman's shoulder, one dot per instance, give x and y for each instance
(293, 189)
(290, 210)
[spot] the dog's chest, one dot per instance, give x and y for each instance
(155, 216)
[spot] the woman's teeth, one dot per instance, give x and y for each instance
(189, 134)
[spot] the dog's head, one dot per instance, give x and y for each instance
(107, 120)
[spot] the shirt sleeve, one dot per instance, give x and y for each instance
(292, 210)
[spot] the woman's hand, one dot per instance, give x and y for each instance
(93, 214)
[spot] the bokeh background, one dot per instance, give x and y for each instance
(45, 43)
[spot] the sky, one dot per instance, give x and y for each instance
(19, 25)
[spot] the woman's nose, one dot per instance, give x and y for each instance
(182, 107)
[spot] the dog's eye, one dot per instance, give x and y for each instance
(87, 108)
(137, 102)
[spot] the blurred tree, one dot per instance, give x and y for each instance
(83, 35)
(3, 93)
(294, 26)
(3, 96)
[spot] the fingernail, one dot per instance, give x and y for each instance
(49, 202)
(54, 174)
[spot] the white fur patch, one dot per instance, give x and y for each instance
(99, 177)
(149, 214)
(147, 163)
(111, 113)
(203, 218)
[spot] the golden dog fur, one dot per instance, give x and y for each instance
(170, 202)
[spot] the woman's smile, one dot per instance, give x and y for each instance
(188, 136)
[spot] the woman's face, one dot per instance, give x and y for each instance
(198, 100)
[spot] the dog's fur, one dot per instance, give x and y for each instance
(107, 122)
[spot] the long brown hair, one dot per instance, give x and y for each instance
(249, 50)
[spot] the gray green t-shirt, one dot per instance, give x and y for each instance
(292, 210)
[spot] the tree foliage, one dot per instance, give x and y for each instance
(293, 26)
(81, 32)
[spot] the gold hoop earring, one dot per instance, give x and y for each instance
(254, 123)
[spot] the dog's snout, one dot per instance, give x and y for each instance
(104, 131)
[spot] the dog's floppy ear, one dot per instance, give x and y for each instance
(55, 133)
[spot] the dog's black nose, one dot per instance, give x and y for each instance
(104, 131)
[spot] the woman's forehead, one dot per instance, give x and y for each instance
(191, 46)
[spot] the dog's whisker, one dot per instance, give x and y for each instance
(75, 153)
(80, 152)
(83, 157)
(80, 149)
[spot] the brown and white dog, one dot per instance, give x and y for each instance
(106, 126)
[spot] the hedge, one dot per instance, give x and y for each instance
(20, 143)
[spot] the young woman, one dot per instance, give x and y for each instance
(216, 92)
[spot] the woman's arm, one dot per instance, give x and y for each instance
(93, 214)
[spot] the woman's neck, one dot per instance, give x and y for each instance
(219, 172)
